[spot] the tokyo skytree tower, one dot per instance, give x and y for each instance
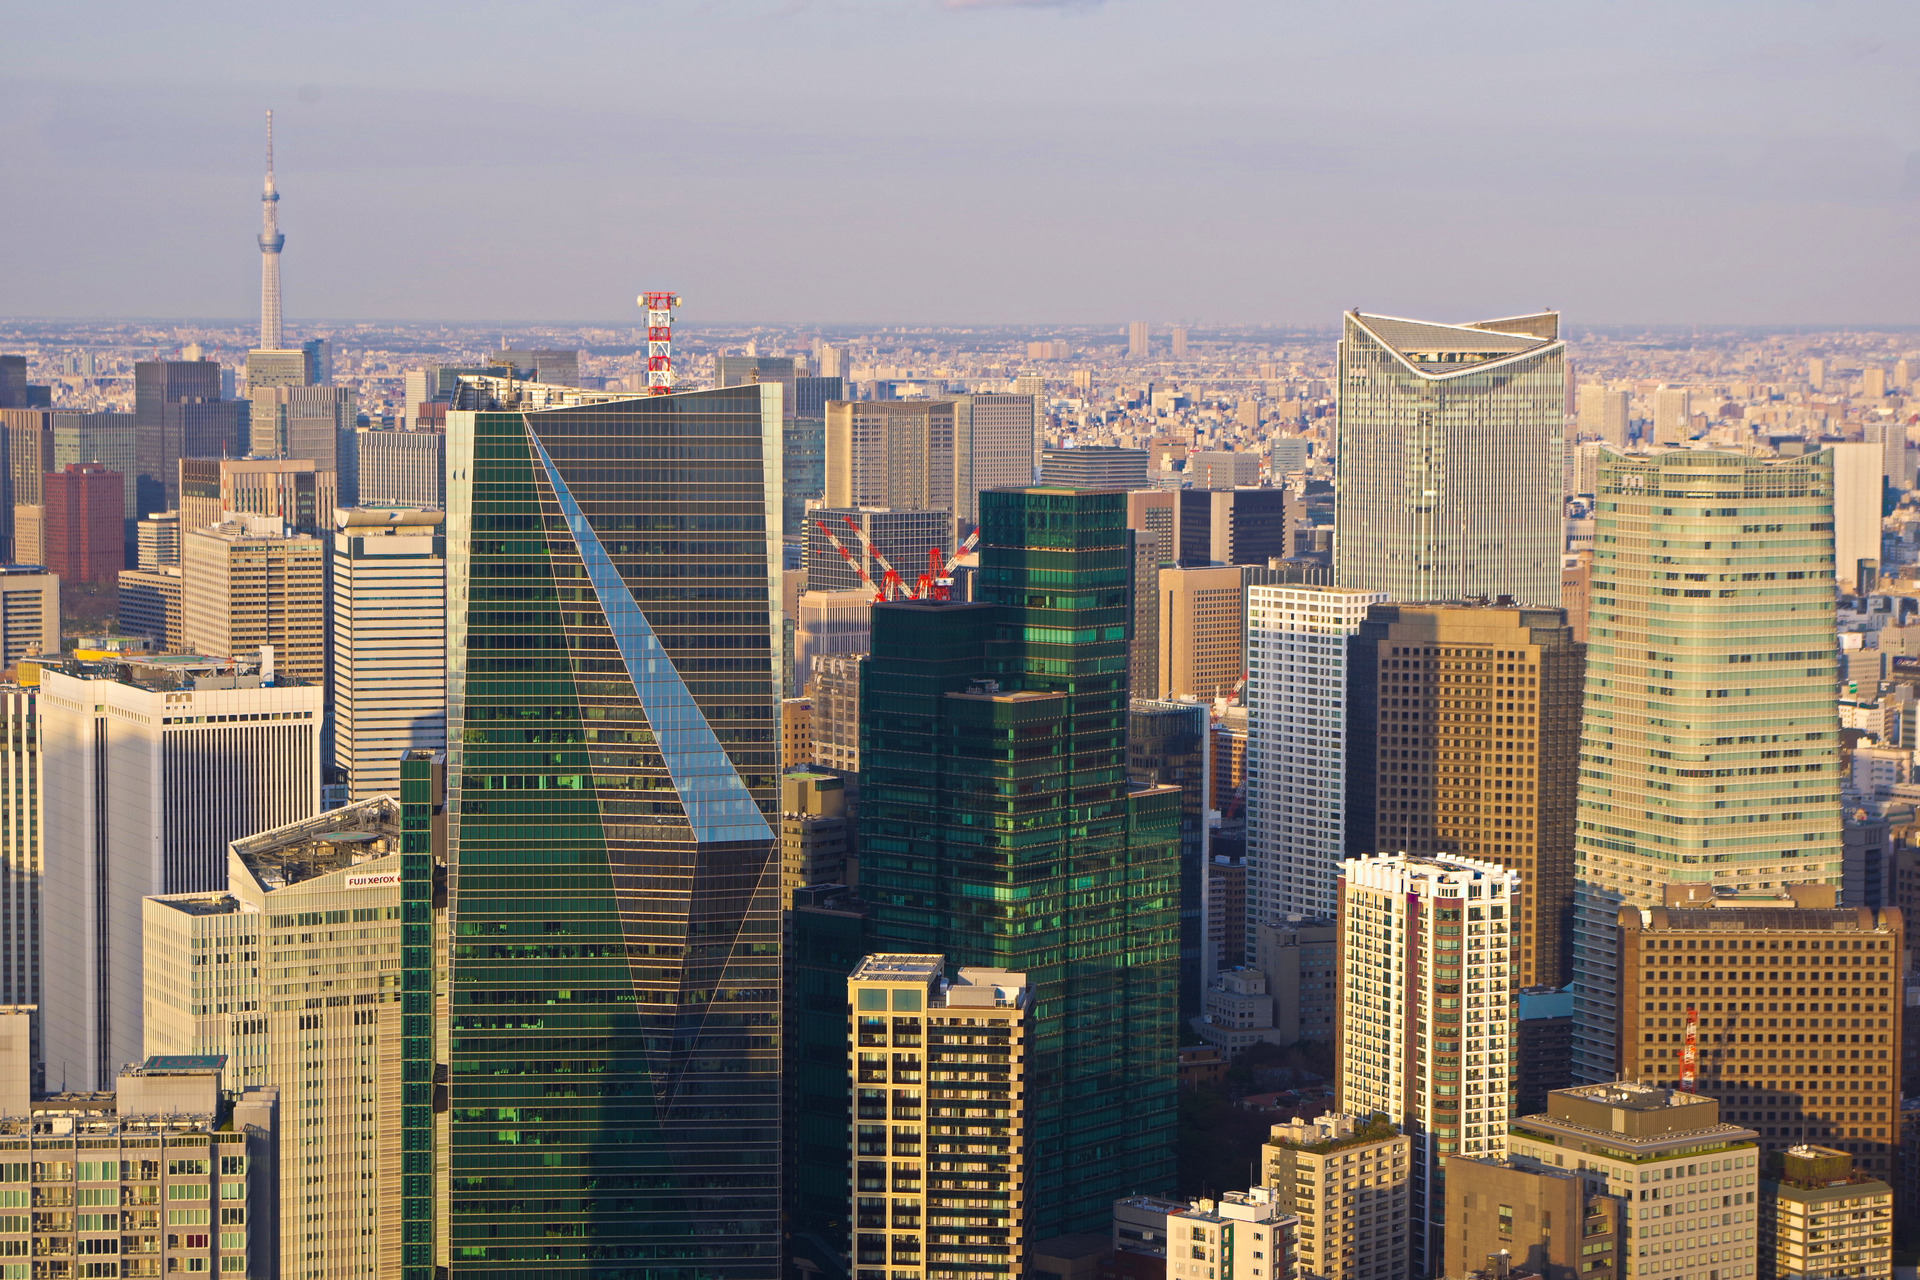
(270, 242)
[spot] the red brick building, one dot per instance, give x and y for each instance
(86, 536)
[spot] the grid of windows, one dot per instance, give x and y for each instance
(615, 986)
(1450, 459)
(998, 829)
(1297, 745)
(1709, 748)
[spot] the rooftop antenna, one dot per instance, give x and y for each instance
(659, 340)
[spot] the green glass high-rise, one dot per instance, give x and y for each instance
(614, 978)
(997, 827)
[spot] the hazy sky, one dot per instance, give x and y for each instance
(969, 161)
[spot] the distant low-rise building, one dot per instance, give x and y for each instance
(1238, 1011)
(1244, 1235)
(1298, 958)
(1555, 1223)
(1139, 1241)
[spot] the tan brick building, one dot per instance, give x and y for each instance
(1797, 1007)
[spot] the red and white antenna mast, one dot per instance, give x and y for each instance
(659, 340)
(1690, 1053)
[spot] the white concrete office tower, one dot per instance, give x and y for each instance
(1296, 700)
(1686, 1180)
(29, 612)
(19, 846)
(1859, 477)
(1709, 743)
(218, 983)
(402, 468)
(829, 622)
(1426, 951)
(389, 671)
(150, 767)
(1672, 415)
(1603, 414)
(995, 436)
(271, 242)
(1450, 444)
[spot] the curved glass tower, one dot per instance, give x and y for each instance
(1449, 457)
(614, 983)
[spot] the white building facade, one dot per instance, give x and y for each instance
(1426, 1037)
(388, 676)
(1296, 700)
(149, 770)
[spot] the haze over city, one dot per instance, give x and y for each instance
(960, 640)
(887, 161)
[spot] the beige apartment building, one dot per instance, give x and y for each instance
(293, 973)
(1820, 1220)
(1687, 1181)
(1244, 1235)
(939, 1125)
(1345, 1178)
(161, 1175)
(247, 584)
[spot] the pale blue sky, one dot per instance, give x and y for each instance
(1712, 161)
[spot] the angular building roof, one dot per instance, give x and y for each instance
(1440, 350)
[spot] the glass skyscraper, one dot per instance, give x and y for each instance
(998, 828)
(1450, 442)
(1709, 747)
(614, 977)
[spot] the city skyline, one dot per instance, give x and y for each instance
(1260, 776)
(1777, 132)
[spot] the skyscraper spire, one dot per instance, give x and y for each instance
(270, 242)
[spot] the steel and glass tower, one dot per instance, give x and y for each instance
(1450, 439)
(998, 829)
(271, 242)
(1709, 747)
(614, 995)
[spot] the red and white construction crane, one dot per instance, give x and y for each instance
(941, 585)
(890, 580)
(852, 560)
(936, 583)
(659, 340)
